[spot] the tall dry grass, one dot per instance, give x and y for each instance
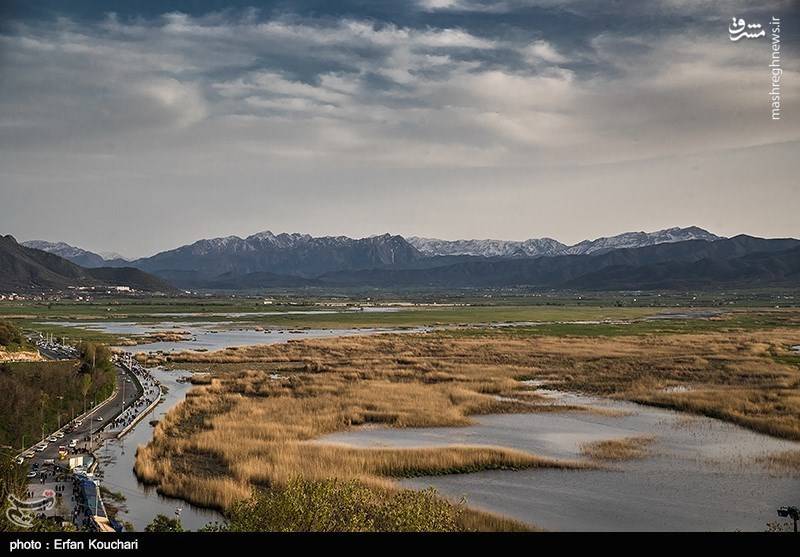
(246, 426)
(627, 448)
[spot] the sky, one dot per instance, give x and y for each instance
(138, 126)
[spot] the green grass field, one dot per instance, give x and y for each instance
(56, 319)
(552, 315)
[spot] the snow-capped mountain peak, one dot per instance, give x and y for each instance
(641, 239)
(547, 246)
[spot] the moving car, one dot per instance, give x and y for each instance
(99, 418)
(73, 443)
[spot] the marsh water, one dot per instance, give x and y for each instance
(210, 336)
(117, 457)
(701, 474)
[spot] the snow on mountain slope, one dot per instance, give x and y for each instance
(548, 246)
(487, 248)
(640, 240)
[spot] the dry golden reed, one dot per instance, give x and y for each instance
(254, 420)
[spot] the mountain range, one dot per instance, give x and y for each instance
(548, 246)
(671, 258)
(298, 255)
(79, 256)
(738, 261)
(25, 269)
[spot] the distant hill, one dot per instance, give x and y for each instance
(262, 279)
(742, 260)
(79, 256)
(129, 276)
(761, 269)
(25, 269)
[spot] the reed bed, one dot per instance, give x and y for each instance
(251, 423)
(628, 448)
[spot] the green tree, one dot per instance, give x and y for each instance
(341, 506)
(11, 337)
(163, 523)
(86, 385)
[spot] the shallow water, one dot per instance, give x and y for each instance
(702, 473)
(117, 457)
(212, 336)
(236, 314)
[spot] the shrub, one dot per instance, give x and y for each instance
(341, 506)
(163, 523)
(10, 336)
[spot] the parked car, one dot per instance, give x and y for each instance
(52, 438)
(31, 474)
(29, 454)
(73, 443)
(40, 448)
(59, 435)
(19, 460)
(99, 418)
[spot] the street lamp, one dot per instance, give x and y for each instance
(790, 512)
(60, 398)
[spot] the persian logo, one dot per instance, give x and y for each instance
(21, 513)
(738, 29)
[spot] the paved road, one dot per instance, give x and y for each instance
(96, 420)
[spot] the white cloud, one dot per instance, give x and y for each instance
(377, 94)
(543, 51)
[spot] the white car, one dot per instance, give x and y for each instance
(99, 418)
(73, 443)
(59, 435)
(31, 474)
(19, 460)
(78, 422)
(52, 438)
(29, 454)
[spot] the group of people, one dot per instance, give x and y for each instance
(150, 394)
